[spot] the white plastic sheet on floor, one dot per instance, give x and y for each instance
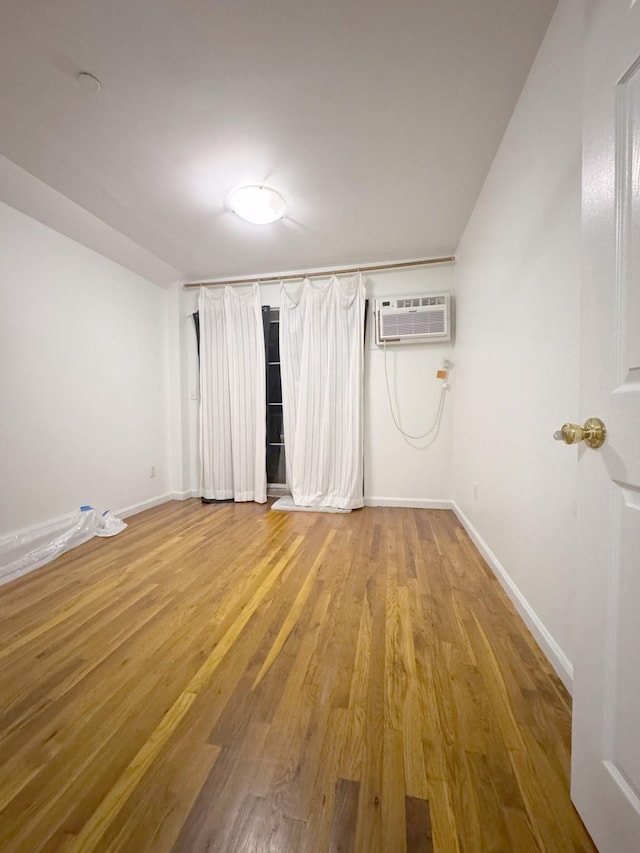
(287, 504)
(27, 550)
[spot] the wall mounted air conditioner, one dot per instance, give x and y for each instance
(413, 319)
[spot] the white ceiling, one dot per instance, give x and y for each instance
(377, 121)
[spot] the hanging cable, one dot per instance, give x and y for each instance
(436, 423)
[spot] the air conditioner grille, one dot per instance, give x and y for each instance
(419, 301)
(422, 323)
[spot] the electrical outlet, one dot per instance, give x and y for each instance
(152, 472)
(193, 394)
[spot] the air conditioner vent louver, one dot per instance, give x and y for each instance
(415, 319)
(416, 302)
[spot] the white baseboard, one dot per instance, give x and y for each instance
(36, 527)
(184, 496)
(161, 499)
(411, 503)
(140, 507)
(552, 651)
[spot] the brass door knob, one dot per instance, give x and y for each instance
(592, 433)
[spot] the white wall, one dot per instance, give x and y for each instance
(83, 378)
(517, 284)
(396, 471)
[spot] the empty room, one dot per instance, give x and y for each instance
(320, 389)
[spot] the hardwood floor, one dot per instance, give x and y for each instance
(226, 678)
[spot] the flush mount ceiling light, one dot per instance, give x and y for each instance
(259, 205)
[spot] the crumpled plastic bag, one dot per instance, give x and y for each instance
(110, 524)
(27, 550)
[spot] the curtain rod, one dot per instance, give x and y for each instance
(320, 273)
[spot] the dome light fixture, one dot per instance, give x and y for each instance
(257, 204)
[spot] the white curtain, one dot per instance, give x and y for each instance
(232, 395)
(321, 360)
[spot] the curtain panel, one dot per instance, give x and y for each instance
(232, 395)
(322, 361)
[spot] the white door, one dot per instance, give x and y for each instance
(606, 713)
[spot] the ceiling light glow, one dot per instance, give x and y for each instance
(259, 205)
